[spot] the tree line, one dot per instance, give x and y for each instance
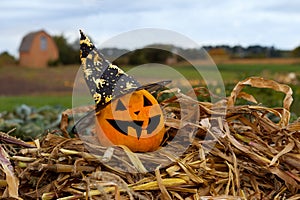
(161, 53)
(158, 53)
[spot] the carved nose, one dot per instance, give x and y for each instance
(137, 112)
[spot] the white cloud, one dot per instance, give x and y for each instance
(268, 22)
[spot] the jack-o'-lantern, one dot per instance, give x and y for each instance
(126, 113)
(135, 120)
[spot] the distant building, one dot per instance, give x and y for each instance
(37, 49)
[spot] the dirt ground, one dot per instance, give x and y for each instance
(15, 80)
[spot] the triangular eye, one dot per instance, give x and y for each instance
(147, 102)
(120, 106)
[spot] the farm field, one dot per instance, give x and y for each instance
(8, 103)
(53, 86)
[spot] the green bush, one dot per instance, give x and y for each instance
(53, 63)
(6, 59)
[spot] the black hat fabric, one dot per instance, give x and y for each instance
(105, 80)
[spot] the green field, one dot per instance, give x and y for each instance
(234, 72)
(10, 102)
(231, 74)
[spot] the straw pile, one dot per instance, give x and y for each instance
(237, 154)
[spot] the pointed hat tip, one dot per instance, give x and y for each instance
(81, 32)
(84, 39)
(86, 45)
(82, 35)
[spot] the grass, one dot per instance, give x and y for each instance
(231, 74)
(235, 72)
(245, 70)
(8, 103)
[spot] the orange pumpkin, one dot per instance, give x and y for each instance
(134, 120)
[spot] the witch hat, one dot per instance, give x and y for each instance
(105, 80)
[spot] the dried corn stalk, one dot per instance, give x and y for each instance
(240, 154)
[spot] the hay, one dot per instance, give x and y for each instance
(237, 154)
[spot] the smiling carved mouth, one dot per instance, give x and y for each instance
(122, 125)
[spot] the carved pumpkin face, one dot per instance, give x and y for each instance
(134, 120)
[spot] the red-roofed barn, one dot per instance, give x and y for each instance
(37, 49)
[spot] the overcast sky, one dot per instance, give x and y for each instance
(207, 22)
